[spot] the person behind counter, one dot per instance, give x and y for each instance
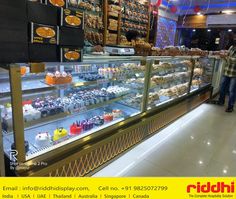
(132, 35)
(228, 84)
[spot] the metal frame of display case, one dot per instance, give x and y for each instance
(124, 134)
(2, 162)
(18, 121)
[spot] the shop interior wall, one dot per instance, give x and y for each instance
(207, 38)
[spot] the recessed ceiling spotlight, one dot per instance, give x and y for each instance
(230, 30)
(208, 30)
(228, 11)
(194, 30)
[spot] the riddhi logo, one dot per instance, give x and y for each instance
(219, 187)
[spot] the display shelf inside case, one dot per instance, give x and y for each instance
(170, 79)
(68, 102)
(202, 74)
(67, 122)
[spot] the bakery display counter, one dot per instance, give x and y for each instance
(66, 108)
(68, 102)
(202, 73)
(69, 129)
(169, 79)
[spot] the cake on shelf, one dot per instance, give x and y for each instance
(87, 125)
(76, 128)
(42, 140)
(98, 120)
(117, 113)
(58, 78)
(108, 117)
(30, 113)
(59, 133)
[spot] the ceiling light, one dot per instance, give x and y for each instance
(194, 30)
(209, 30)
(230, 30)
(200, 14)
(228, 11)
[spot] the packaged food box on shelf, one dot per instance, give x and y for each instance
(71, 54)
(72, 18)
(57, 3)
(44, 34)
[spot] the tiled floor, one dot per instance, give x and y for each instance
(201, 143)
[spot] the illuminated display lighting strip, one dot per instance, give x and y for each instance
(220, 5)
(225, 5)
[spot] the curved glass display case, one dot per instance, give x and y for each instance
(202, 73)
(169, 79)
(62, 103)
(53, 107)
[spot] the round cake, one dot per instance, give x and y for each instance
(42, 140)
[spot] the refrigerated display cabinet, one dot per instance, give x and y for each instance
(69, 119)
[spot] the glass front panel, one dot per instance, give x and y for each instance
(202, 74)
(6, 111)
(170, 79)
(68, 102)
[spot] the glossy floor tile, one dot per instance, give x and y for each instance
(201, 143)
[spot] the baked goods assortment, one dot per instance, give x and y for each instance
(121, 72)
(58, 78)
(134, 100)
(124, 41)
(113, 24)
(111, 38)
(167, 67)
(89, 5)
(142, 47)
(157, 79)
(114, 10)
(172, 92)
(94, 37)
(135, 16)
(128, 26)
(170, 79)
(197, 72)
(113, 13)
(196, 82)
(136, 83)
(94, 21)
